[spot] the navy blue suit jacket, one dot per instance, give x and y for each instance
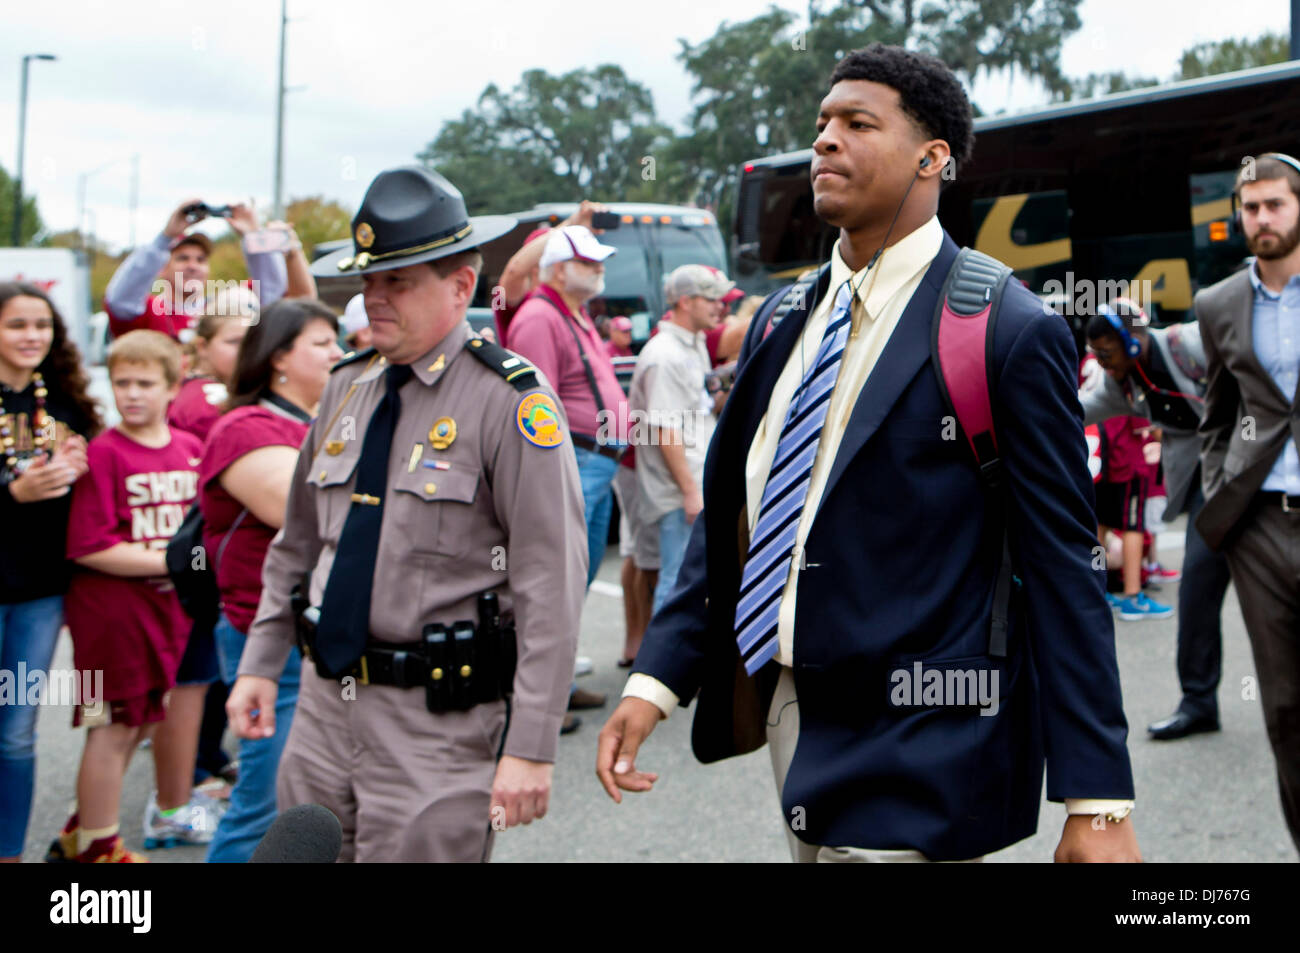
(902, 559)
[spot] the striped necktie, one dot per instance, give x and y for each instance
(771, 543)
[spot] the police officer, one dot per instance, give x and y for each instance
(436, 499)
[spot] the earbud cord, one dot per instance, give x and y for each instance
(1160, 390)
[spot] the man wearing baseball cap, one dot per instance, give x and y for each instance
(519, 277)
(175, 265)
(553, 330)
(669, 396)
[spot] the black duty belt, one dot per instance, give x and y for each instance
(458, 666)
(595, 446)
(1276, 499)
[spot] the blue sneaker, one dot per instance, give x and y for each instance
(1113, 601)
(1139, 608)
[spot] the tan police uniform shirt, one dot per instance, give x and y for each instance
(497, 507)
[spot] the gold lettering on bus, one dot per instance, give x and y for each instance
(1171, 282)
(995, 239)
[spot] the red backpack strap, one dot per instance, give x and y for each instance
(961, 346)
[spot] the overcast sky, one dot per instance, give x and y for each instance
(190, 87)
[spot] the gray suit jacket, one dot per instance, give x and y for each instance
(1181, 351)
(1247, 418)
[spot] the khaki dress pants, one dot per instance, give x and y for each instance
(406, 785)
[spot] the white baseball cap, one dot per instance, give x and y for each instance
(573, 242)
(354, 315)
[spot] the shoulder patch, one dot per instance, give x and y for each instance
(513, 369)
(539, 421)
(353, 357)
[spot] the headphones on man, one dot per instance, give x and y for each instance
(1132, 346)
(1235, 220)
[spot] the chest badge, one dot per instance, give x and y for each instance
(539, 421)
(334, 447)
(442, 433)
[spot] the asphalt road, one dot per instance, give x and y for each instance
(1208, 798)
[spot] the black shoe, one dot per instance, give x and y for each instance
(570, 724)
(1180, 725)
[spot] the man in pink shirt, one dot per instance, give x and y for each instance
(553, 330)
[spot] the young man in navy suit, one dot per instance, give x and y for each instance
(837, 594)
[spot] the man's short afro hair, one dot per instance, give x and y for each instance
(927, 90)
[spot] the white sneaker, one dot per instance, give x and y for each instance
(582, 666)
(193, 823)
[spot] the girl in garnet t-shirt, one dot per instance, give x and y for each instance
(131, 628)
(216, 346)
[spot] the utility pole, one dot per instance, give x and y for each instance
(22, 135)
(135, 192)
(280, 113)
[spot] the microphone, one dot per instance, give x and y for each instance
(304, 834)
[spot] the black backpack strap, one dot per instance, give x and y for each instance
(519, 373)
(796, 295)
(961, 349)
(776, 307)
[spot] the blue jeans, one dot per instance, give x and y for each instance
(28, 633)
(252, 803)
(674, 534)
(597, 476)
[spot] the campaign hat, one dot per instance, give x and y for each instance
(410, 215)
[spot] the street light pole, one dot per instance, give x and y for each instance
(22, 134)
(279, 114)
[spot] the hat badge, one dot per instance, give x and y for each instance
(365, 235)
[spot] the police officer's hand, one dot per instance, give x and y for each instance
(251, 707)
(616, 748)
(521, 791)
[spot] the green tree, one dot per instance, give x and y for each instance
(1204, 59)
(551, 138)
(317, 219)
(31, 225)
(1106, 84)
(1226, 56)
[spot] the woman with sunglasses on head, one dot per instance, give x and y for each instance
(46, 417)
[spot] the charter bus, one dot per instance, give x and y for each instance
(651, 240)
(1130, 187)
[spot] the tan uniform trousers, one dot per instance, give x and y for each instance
(782, 736)
(407, 785)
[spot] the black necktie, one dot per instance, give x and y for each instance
(345, 607)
